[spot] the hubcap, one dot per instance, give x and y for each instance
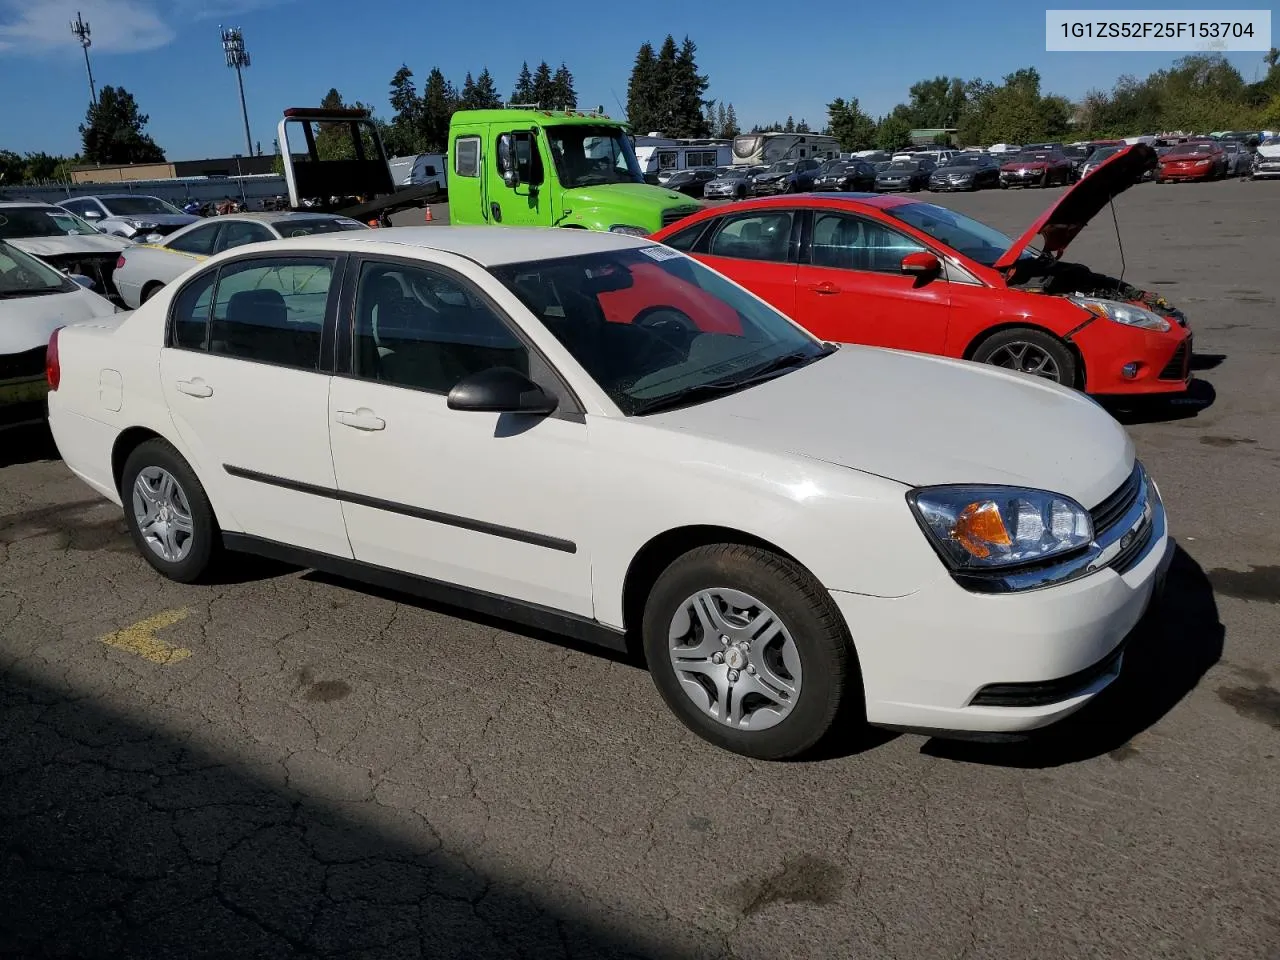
(1027, 358)
(735, 658)
(162, 513)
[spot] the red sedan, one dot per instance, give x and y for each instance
(1036, 168)
(1194, 160)
(893, 272)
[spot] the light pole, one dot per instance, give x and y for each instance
(238, 58)
(81, 29)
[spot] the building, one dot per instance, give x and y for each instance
(216, 167)
(928, 136)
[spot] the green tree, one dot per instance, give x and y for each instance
(665, 108)
(439, 100)
(406, 121)
(936, 103)
(467, 99)
(687, 90)
(642, 91)
(789, 126)
(523, 92)
(562, 93)
(892, 133)
(113, 131)
(849, 125)
(13, 168)
(333, 140)
(543, 87)
(730, 127)
(803, 126)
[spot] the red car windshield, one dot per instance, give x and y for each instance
(1191, 150)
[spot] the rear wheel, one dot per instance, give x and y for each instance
(149, 291)
(1029, 351)
(168, 513)
(748, 650)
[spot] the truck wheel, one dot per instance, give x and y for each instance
(1030, 351)
(168, 513)
(749, 650)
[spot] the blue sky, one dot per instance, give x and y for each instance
(761, 57)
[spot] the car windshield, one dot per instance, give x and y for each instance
(1103, 154)
(974, 239)
(656, 329)
(1035, 156)
(18, 223)
(313, 225)
(904, 165)
(1190, 149)
(1271, 142)
(1077, 153)
(966, 159)
(589, 155)
(133, 206)
(22, 275)
(832, 167)
(782, 166)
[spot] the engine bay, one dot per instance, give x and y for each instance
(1064, 279)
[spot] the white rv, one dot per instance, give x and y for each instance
(660, 155)
(419, 171)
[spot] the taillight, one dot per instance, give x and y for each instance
(120, 261)
(52, 369)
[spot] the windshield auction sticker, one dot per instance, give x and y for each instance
(1174, 31)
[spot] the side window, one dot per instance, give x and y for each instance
(420, 328)
(686, 238)
(237, 233)
(850, 243)
(272, 311)
(528, 159)
(758, 236)
(199, 241)
(77, 207)
(189, 315)
(466, 156)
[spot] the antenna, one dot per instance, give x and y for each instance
(80, 27)
(238, 59)
(621, 109)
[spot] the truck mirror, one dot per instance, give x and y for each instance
(507, 160)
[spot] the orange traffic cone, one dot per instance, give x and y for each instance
(427, 216)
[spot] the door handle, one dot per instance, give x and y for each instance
(194, 388)
(362, 419)
(496, 210)
(825, 287)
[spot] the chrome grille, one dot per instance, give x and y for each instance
(677, 213)
(1111, 510)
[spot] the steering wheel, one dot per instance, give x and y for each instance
(673, 327)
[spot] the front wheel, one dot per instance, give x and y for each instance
(168, 513)
(749, 651)
(1029, 351)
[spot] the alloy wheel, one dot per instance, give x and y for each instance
(1026, 358)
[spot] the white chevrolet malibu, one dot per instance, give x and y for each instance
(595, 434)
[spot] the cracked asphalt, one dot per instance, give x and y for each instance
(282, 764)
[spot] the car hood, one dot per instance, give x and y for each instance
(962, 168)
(923, 420)
(28, 322)
(1060, 224)
(1270, 150)
(62, 246)
(638, 194)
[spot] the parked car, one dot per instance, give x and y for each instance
(62, 240)
(761, 627)
(690, 182)
(1239, 158)
(130, 215)
(856, 175)
(1266, 161)
(144, 269)
(778, 178)
(909, 175)
(1078, 154)
(894, 272)
(966, 171)
(1043, 168)
(1096, 159)
(733, 184)
(35, 299)
(1193, 160)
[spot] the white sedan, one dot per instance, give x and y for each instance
(147, 267)
(595, 434)
(35, 300)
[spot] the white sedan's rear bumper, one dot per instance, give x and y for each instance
(927, 656)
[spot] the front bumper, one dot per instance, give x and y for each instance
(951, 186)
(1021, 178)
(1163, 359)
(1201, 173)
(1265, 170)
(945, 659)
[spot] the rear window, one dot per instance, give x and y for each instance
(309, 227)
(905, 165)
(1190, 149)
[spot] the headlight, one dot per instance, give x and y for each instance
(989, 527)
(1126, 313)
(143, 224)
(629, 230)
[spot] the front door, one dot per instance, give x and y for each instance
(756, 250)
(852, 288)
(491, 502)
(528, 203)
(243, 381)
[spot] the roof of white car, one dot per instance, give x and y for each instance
(488, 246)
(10, 204)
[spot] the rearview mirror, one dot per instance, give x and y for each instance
(507, 160)
(92, 215)
(923, 265)
(81, 279)
(501, 390)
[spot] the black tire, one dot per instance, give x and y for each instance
(149, 291)
(1047, 342)
(205, 539)
(830, 681)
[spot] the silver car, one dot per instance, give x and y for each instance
(146, 267)
(130, 215)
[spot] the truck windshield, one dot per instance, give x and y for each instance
(587, 155)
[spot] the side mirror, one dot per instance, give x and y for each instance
(501, 390)
(922, 265)
(81, 279)
(507, 160)
(93, 214)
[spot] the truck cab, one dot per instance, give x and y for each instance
(553, 168)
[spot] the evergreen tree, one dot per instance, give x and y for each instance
(722, 121)
(789, 126)
(803, 126)
(112, 131)
(543, 89)
(467, 101)
(665, 95)
(523, 92)
(642, 91)
(730, 127)
(484, 95)
(849, 125)
(563, 94)
(439, 100)
(406, 121)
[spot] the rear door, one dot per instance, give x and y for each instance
(756, 248)
(850, 286)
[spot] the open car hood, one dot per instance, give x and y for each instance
(1059, 225)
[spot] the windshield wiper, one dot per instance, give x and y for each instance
(787, 361)
(727, 385)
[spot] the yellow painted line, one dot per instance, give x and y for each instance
(141, 638)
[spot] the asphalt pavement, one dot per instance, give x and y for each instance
(282, 764)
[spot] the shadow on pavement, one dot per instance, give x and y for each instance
(27, 444)
(1173, 647)
(117, 839)
(1200, 396)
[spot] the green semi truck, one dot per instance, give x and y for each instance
(508, 166)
